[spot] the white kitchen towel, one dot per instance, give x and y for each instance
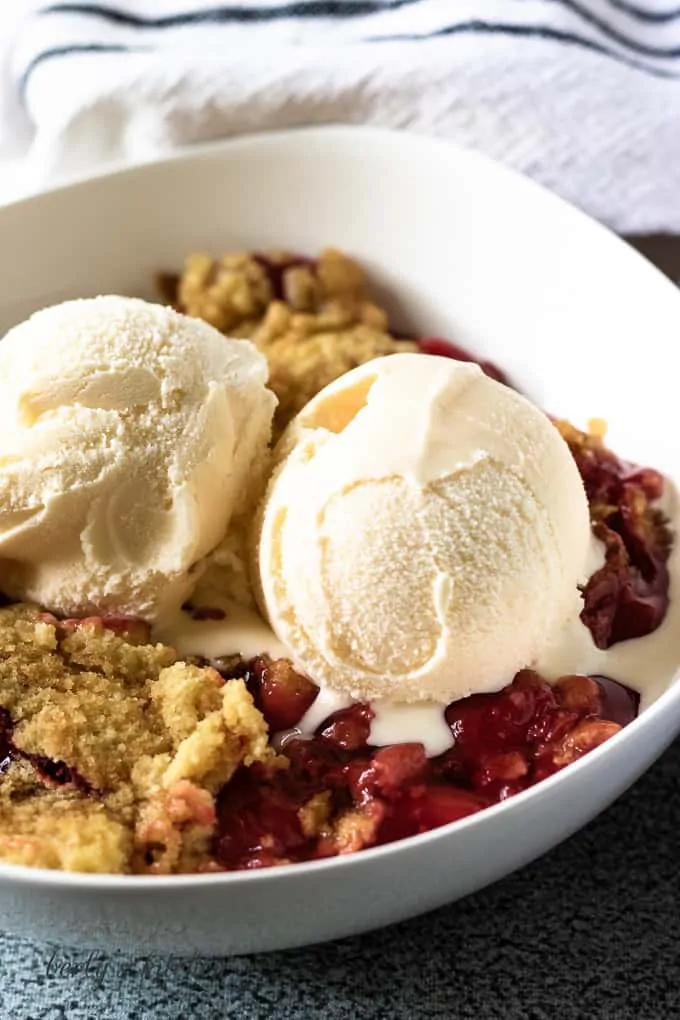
(584, 95)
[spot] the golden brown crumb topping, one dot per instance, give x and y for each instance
(145, 743)
(314, 321)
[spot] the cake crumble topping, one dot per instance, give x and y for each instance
(150, 740)
(313, 320)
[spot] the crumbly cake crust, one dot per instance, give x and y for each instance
(313, 321)
(147, 743)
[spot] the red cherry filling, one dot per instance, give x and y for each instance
(258, 823)
(628, 596)
(281, 694)
(347, 729)
(504, 743)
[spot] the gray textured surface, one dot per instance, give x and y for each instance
(591, 930)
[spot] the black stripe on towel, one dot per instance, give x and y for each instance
(227, 14)
(67, 51)
(531, 32)
(643, 14)
(465, 28)
(327, 9)
(614, 35)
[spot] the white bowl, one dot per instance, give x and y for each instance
(464, 249)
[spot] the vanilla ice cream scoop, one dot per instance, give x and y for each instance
(423, 534)
(129, 436)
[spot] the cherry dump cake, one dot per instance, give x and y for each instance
(127, 748)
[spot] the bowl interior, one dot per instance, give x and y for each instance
(457, 246)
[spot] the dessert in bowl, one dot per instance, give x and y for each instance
(464, 603)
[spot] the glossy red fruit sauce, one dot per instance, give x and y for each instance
(504, 743)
